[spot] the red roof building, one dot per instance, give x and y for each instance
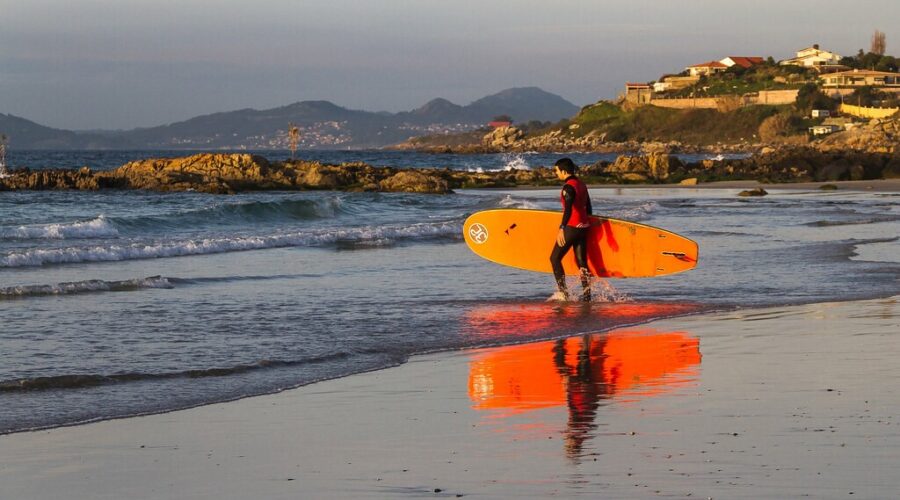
(742, 61)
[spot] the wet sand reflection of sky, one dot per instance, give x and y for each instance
(580, 374)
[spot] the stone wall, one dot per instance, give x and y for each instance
(776, 97)
(688, 103)
(729, 102)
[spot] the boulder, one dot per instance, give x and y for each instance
(415, 181)
(657, 166)
(689, 182)
(753, 192)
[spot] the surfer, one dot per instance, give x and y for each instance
(573, 229)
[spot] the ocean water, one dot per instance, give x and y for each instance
(123, 303)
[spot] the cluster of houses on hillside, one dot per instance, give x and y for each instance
(832, 74)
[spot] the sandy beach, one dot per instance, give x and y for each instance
(769, 403)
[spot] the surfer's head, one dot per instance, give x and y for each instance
(564, 167)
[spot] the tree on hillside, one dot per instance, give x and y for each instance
(809, 97)
(878, 43)
(864, 96)
(502, 118)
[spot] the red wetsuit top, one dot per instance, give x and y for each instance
(576, 203)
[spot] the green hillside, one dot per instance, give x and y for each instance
(651, 123)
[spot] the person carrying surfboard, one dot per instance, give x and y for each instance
(573, 229)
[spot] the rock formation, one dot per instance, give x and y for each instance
(878, 136)
(502, 138)
(654, 166)
(231, 173)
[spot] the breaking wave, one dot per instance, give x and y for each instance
(100, 227)
(635, 214)
(359, 236)
(510, 202)
(87, 286)
(232, 214)
(875, 219)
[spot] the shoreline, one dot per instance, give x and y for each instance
(875, 185)
(737, 410)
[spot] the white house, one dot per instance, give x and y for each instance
(813, 57)
(707, 68)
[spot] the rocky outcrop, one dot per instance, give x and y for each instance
(878, 136)
(230, 173)
(415, 181)
(655, 166)
(82, 179)
(503, 138)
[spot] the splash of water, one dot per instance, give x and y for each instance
(515, 162)
(602, 292)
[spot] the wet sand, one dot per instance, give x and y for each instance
(877, 185)
(770, 403)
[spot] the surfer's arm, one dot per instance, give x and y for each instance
(568, 194)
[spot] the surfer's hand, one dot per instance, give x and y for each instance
(561, 237)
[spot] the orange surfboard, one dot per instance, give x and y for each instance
(616, 248)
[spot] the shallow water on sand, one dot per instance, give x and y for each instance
(122, 303)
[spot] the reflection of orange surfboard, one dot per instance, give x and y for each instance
(622, 363)
(616, 248)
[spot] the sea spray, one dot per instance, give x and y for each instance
(515, 162)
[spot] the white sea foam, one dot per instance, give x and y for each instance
(510, 162)
(86, 286)
(638, 213)
(510, 202)
(100, 227)
(363, 236)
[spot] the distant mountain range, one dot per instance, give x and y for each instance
(323, 125)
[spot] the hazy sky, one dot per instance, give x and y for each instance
(85, 64)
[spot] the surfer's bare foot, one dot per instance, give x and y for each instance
(559, 296)
(586, 296)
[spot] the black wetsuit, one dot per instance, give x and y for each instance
(575, 235)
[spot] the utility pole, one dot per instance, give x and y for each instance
(293, 138)
(3, 172)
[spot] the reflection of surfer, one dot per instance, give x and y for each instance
(573, 229)
(585, 388)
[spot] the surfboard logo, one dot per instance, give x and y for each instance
(478, 233)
